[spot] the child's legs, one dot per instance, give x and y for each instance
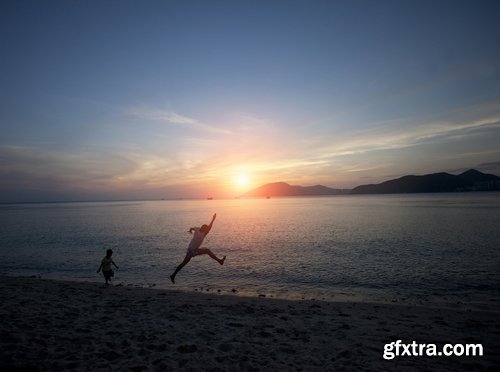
(107, 276)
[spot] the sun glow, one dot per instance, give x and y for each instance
(242, 180)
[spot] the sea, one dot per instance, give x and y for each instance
(410, 248)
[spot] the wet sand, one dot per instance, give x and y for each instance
(49, 325)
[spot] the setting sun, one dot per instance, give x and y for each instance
(242, 180)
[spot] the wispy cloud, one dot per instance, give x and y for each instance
(390, 146)
(172, 117)
(175, 118)
(24, 165)
(393, 137)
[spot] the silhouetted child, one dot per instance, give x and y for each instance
(194, 247)
(106, 268)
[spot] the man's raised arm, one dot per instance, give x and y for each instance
(211, 223)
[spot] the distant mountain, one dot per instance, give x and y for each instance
(284, 189)
(472, 180)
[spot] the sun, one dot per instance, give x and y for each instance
(242, 180)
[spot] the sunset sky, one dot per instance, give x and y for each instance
(166, 99)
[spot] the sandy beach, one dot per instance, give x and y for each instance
(58, 325)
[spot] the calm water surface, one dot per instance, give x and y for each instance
(399, 247)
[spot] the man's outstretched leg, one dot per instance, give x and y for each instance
(181, 265)
(201, 251)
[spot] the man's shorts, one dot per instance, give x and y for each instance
(192, 251)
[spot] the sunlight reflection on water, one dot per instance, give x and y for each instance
(389, 246)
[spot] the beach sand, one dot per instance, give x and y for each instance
(52, 325)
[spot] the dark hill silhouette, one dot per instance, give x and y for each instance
(284, 189)
(473, 175)
(471, 180)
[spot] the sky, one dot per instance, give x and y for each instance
(106, 100)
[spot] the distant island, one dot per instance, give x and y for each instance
(284, 189)
(471, 180)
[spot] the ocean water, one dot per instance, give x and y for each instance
(420, 247)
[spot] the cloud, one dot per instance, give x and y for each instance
(30, 173)
(172, 117)
(248, 124)
(490, 167)
(394, 136)
(175, 118)
(27, 166)
(405, 145)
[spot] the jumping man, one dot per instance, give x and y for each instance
(194, 247)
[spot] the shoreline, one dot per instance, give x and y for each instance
(52, 325)
(358, 295)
